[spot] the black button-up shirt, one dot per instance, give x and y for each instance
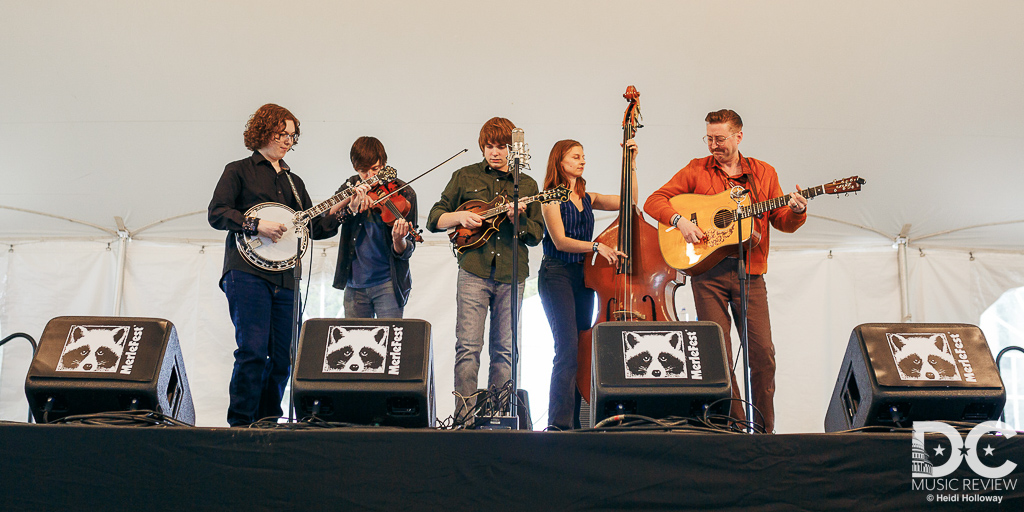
(247, 183)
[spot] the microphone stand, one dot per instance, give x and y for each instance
(296, 323)
(507, 419)
(741, 270)
(514, 295)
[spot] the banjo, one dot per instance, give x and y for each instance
(266, 254)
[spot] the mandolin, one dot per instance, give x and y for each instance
(464, 239)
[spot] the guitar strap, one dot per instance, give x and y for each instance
(753, 181)
(295, 191)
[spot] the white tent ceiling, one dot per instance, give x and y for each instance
(131, 109)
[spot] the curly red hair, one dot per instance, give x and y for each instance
(556, 174)
(496, 131)
(267, 122)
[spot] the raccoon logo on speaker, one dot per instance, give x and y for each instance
(364, 349)
(97, 349)
(654, 354)
(990, 468)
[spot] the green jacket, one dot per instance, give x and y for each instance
(478, 181)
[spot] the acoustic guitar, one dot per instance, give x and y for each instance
(718, 216)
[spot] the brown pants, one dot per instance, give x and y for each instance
(717, 291)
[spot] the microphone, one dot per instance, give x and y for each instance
(737, 192)
(518, 136)
(519, 155)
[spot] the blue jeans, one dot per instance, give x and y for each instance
(569, 306)
(262, 314)
(475, 295)
(373, 302)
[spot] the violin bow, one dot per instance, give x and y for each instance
(393, 192)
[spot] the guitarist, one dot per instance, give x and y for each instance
(716, 291)
(485, 272)
(373, 258)
(260, 301)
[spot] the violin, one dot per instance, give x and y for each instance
(392, 206)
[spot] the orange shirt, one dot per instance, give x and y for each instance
(706, 176)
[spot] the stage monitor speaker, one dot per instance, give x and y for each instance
(94, 364)
(366, 371)
(658, 369)
(894, 374)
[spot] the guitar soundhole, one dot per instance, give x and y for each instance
(723, 218)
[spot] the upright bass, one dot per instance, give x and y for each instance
(642, 287)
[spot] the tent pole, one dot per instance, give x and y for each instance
(901, 263)
(122, 257)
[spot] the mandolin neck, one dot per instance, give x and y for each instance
(505, 207)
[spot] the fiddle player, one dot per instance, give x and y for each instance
(485, 272)
(568, 303)
(260, 301)
(373, 258)
(717, 290)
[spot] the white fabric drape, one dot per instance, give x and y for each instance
(41, 281)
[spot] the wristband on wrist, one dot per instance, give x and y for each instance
(250, 226)
(595, 246)
(675, 219)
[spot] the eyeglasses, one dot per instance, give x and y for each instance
(719, 140)
(285, 135)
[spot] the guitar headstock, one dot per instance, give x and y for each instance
(559, 193)
(387, 174)
(844, 186)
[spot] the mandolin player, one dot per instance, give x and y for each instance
(716, 290)
(485, 271)
(260, 301)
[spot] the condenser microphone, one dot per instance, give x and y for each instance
(517, 156)
(518, 136)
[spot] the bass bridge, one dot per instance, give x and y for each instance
(616, 313)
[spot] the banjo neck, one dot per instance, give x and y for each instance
(319, 209)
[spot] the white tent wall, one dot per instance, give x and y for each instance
(43, 280)
(816, 298)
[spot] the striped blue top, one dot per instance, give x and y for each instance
(579, 225)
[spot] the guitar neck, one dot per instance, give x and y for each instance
(771, 204)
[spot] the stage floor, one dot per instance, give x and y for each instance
(76, 467)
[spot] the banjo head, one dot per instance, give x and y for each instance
(266, 254)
